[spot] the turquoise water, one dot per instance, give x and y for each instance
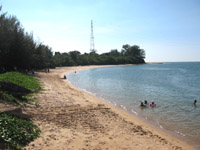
(172, 86)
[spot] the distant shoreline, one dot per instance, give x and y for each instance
(154, 63)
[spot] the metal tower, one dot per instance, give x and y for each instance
(92, 39)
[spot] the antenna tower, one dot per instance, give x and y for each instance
(92, 39)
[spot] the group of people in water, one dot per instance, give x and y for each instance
(152, 104)
(145, 104)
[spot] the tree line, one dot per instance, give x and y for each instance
(19, 50)
(128, 55)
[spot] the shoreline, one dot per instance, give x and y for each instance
(154, 63)
(109, 128)
(133, 113)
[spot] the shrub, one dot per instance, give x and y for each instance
(17, 132)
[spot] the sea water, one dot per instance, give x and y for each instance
(172, 86)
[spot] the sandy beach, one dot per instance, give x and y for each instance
(71, 119)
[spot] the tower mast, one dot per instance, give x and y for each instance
(92, 38)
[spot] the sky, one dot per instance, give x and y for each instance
(168, 30)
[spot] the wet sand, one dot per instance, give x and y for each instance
(71, 119)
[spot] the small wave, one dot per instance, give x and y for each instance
(122, 106)
(109, 102)
(69, 81)
(134, 112)
(115, 104)
(180, 133)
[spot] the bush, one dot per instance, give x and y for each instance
(17, 132)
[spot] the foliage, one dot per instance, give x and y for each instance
(128, 55)
(8, 97)
(18, 48)
(23, 80)
(17, 132)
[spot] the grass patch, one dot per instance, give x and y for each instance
(26, 81)
(23, 80)
(8, 97)
(17, 132)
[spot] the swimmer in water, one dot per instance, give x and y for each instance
(195, 102)
(142, 104)
(145, 102)
(152, 104)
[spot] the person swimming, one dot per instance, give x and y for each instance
(152, 104)
(195, 102)
(142, 104)
(145, 102)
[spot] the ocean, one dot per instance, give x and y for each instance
(172, 86)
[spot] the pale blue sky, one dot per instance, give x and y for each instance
(168, 30)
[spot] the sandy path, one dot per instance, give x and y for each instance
(72, 119)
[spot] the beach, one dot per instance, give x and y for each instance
(70, 118)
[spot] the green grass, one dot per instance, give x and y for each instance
(8, 97)
(26, 81)
(17, 132)
(23, 80)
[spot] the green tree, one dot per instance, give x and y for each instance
(18, 49)
(75, 56)
(43, 57)
(133, 54)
